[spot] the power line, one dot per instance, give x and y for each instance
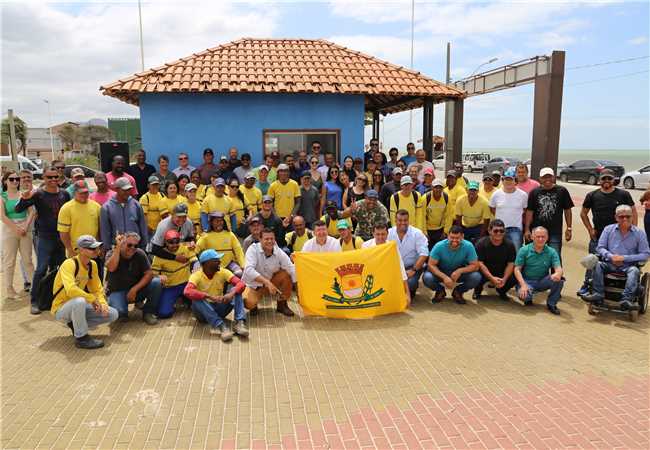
(609, 78)
(606, 63)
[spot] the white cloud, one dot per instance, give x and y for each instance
(639, 40)
(64, 53)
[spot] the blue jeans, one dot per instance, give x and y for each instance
(509, 284)
(472, 234)
(151, 292)
(544, 284)
(83, 316)
(516, 236)
(466, 281)
(167, 300)
(593, 244)
(555, 241)
(214, 313)
(631, 284)
(414, 281)
(50, 253)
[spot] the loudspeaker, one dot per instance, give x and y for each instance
(107, 150)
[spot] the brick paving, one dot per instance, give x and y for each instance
(486, 375)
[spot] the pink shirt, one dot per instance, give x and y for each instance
(528, 185)
(111, 179)
(102, 197)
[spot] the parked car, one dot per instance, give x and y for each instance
(439, 162)
(500, 163)
(24, 163)
(475, 161)
(637, 179)
(88, 172)
(588, 170)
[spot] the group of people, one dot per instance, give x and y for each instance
(221, 236)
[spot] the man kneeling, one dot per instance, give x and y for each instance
(211, 302)
(78, 299)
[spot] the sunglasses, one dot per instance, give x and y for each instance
(234, 186)
(606, 179)
(52, 177)
(624, 217)
(313, 162)
(173, 241)
(498, 230)
(316, 147)
(374, 145)
(131, 245)
(182, 158)
(16, 179)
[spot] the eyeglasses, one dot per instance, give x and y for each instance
(498, 230)
(410, 148)
(16, 179)
(52, 177)
(181, 158)
(377, 175)
(316, 147)
(173, 241)
(234, 186)
(313, 162)
(131, 245)
(623, 217)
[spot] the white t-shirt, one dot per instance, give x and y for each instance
(372, 243)
(331, 245)
(509, 206)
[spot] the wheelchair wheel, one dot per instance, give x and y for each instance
(644, 293)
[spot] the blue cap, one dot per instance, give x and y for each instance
(472, 185)
(510, 172)
(209, 254)
(371, 193)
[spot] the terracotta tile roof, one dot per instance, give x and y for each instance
(290, 66)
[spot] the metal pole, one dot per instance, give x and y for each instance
(12, 136)
(141, 41)
(448, 62)
(412, 40)
(49, 114)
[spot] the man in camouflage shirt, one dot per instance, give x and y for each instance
(367, 213)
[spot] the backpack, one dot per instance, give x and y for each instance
(444, 196)
(294, 238)
(44, 294)
(414, 193)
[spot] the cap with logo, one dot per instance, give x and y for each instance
(123, 183)
(371, 193)
(249, 176)
(606, 173)
(217, 214)
(509, 173)
(153, 180)
(428, 171)
(223, 158)
(180, 210)
(209, 255)
(190, 187)
(437, 182)
(341, 224)
(87, 241)
(172, 234)
(406, 180)
(80, 186)
(397, 171)
(77, 171)
(219, 182)
(496, 172)
(267, 198)
(546, 171)
(472, 186)
(488, 176)
(208, 151)
(254, 219)
(264, 167)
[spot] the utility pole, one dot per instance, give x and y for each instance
(412, 41)
(49, 114)
(448, 115)
(141, 41)
(12, 136)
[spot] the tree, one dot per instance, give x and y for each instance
(90, 135)
(21, 133)
(69, 135)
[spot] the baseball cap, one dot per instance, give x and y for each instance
(331, 205)
(428, 171)
(267, 198)
(472, 185)
(371, 193)
(283, 167)
(123, 183)
(606, 173)
(405, 180)
(219, 182)
(80, 186)
(190, 186)
(76, 172)
(452, 173)
(264, 166)
(546, 171)
(87, 241)
(341, 224)
(305, 173)
(209, 254)
(509, 173)
(487, 176)
(437, 182)
(223, 158)
(208, 151)
(253, 219)
(249, 175)
(217, 214)
(397, 170)
(496, 172)
(180, 210)
(172, 234)
(153, 180)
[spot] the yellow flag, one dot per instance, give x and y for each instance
(357, 284)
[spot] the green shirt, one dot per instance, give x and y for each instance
(10, 208)
(536, 265)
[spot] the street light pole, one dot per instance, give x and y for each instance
(49, 113)
(484, 64)
(412, 41)
(141, 40)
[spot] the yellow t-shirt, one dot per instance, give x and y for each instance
(415, 209)
(237, 208)
(331, 225)
(453, 195)
(461, 181)
(176, 272)
(203, 190)
(212, 203)
(487, 196)
(355, 243)
(300, 240)
(168, 204)
(223, 242)
(253, 197)
(472, 215)
(194, 211)
(74, 287)
(214, 286)
(153, 207)
(284, 196)
(436, 212)
(78, 219)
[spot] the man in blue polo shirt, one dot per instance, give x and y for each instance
(532, 266)
(453, 264)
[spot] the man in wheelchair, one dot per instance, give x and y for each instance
(621, 248)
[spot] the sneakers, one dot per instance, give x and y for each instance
(283, 308)
(438, 297)
(477, 294)
(240, 328)
(223, 332)
(34, 310)
(625, 305)
(88, 343)
(150, 319)
(458, 297)
(584, 290)
(553, 310)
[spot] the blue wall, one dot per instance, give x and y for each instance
(172, 123)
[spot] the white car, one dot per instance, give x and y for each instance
(23, 163)
(439, 162)
(639, 179)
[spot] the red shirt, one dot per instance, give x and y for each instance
(111, 180)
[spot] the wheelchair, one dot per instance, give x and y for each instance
(614, 283)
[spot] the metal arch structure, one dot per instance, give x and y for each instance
(547, 72)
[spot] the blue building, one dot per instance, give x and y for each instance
(261, 95)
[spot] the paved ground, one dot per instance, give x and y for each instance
(484, 375)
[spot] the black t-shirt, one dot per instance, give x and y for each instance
(548, 207)
(275, 223)
(495, 257)
(603, 206)
(129, 271)
(141, 177)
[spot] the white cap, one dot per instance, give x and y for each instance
(546, 171)
(405, 180)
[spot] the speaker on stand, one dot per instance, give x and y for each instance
(108, 150)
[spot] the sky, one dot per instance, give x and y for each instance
(63, 52)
